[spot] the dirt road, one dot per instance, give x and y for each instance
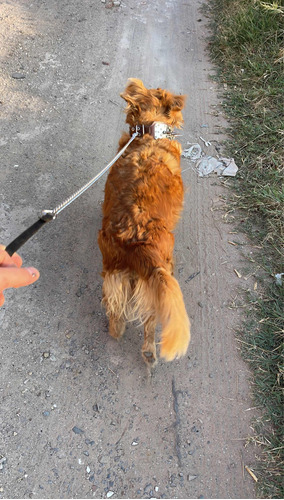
(78, 416)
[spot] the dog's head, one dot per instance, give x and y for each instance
(146, 106)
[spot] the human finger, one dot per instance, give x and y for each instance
(6, 260)
(3, 254)
(17, 259)
(13, 277)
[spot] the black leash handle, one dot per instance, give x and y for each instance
(28, 233)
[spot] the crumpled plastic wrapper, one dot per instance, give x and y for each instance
(208, 164)
(221, 166)
(193, 153)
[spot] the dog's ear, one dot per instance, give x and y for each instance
(177, 102)
(130, 101)
(137, 96)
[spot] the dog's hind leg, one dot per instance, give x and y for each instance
(116, 326)
(116, 290)
(149, 346)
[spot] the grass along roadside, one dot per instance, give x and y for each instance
(247, 47)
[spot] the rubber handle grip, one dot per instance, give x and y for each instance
(23, 237)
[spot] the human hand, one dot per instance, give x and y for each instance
(12, 275)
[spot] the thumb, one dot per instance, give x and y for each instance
(13, 277)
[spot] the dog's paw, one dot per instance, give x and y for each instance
(116, 327)
(149, 355)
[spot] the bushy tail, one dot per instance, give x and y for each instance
(160, 296)
(169, 305)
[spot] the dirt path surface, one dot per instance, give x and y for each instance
(79, 418)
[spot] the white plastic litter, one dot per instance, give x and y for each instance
(278, 278)
(230, 167)
(193, 153)
(222, 166)
(207, 143)
(207, 165)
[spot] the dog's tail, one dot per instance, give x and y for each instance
(159, 295)
(162, 295)
(170, 307)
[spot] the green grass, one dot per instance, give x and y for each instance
(247, 47)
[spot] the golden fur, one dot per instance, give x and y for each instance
(143, 201)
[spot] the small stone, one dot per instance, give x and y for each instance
(116, 3)
(88, 470)
(46, 413)
(194, 429)
(148, 488)
(156, 488)
(102, 460)
(76, 430)
(89, 442)
(52, 357)
(110, 494)
(191, 478)
(18, 76)
(134, 443)
(46, 355)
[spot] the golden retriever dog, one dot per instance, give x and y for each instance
(143, 201)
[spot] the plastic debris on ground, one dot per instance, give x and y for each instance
(207, 143)
(221, 166)
(193, 153)
(278, 278)
(209, 164)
